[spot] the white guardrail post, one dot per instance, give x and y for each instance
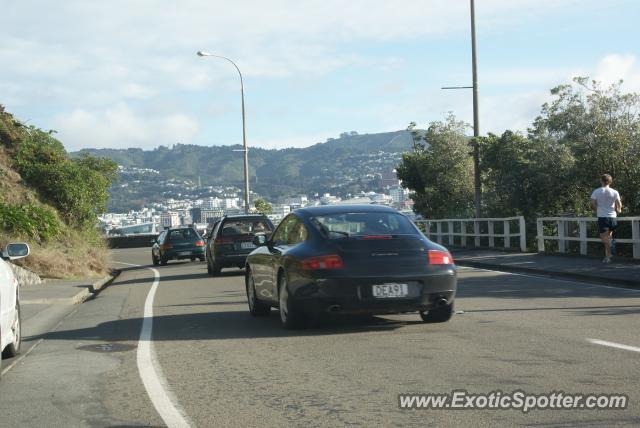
(507, 234)
(523, 234)
(635, 236)
(562, 234)
(476, 232)
(492, 241)
(582, 224)
(540, 231)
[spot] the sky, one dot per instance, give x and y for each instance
(124, 73)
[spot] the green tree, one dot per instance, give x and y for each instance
(439, 170)
(262, 206)
(601, 129)
(522, 176)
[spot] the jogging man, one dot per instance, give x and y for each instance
(606, 202)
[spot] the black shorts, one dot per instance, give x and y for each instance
(607, 223)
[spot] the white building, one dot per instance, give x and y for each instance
(279, 211)
(212, 204)
(299, 200)
(230, 203)
(169, 219)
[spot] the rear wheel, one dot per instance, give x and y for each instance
(290, 315)
(257, 308)
(213, 269)
(441, 314)
(13, 348)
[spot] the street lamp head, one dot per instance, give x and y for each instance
(201, 53)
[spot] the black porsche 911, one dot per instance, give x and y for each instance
(349, 259)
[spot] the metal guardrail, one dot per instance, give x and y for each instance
(563, 237)
(459, 227)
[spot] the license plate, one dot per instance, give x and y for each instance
(247, 245)
(391, 290)
(184, 253)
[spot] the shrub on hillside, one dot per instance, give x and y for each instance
(78, 188)
(31, 221)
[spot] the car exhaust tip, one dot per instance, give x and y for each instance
(442, 302)
(334, 308)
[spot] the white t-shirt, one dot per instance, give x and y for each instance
(606, 198)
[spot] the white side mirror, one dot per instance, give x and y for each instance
(16, 250)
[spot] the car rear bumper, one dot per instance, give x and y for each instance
(185, 253)
(355, 295)
(231, 260)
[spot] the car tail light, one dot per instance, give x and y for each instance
(166, 246)
(332, 261)
(199, 243)
(223, 241)
(437, 257)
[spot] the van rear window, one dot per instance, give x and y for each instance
(242, 227)
(184, 235)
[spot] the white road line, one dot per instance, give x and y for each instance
(151, 376)
(614, 345)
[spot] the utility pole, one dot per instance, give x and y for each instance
(476, 113)
(476, 120)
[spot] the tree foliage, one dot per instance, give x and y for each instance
(262, 206)
(584, 131)
(439, 170)
(78, 188)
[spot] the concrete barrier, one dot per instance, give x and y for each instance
(130, 241)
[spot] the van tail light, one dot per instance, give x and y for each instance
(332, 261)
(166, 246)
(199, 243)
(223, 241)
(437, 257)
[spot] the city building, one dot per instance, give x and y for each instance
(169, 219)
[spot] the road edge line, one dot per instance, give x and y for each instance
(614, 345)
(154, 382)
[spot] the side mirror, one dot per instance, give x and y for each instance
(16, 251)
(259, 240)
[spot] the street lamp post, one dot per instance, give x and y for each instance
(476, 113)
(245, 149)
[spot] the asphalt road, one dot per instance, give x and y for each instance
(210, 364)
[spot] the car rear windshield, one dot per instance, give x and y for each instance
(363, 224)
(184, 235)
(243, 227)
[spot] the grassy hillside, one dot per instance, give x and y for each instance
(50, 201)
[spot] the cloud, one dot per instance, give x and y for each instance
(111, 70)
(120, 126)
(614, 67)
